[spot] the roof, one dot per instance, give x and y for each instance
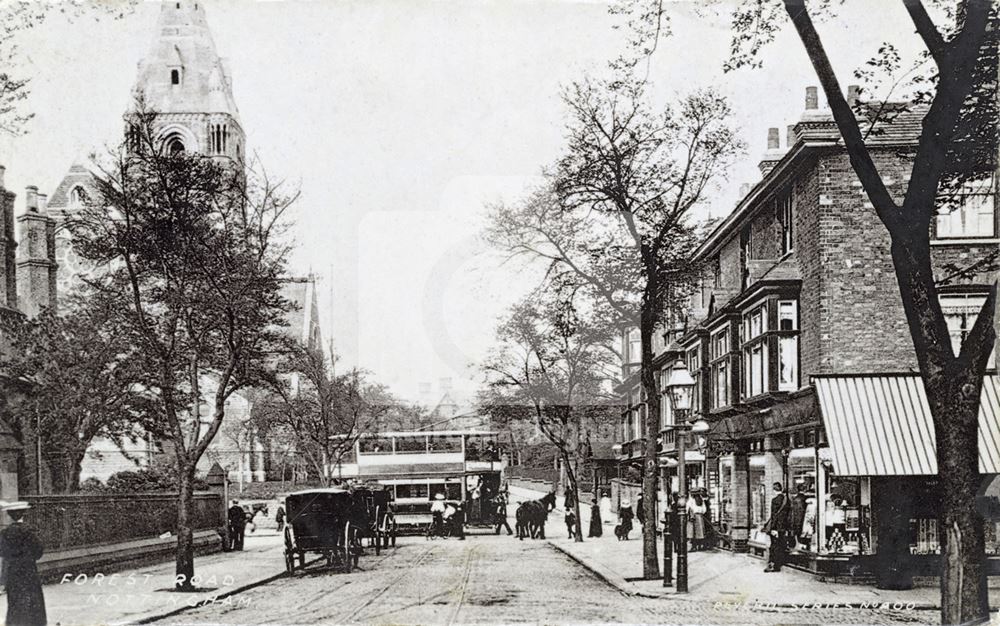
(816, 129)
(306, 492)
(881, 425)
(435, 433)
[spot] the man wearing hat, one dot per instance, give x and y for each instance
(19, 549)
(237, 525)
(437, 514)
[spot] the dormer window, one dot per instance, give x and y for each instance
(175, 77)
(78, 196)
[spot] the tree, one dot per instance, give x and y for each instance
(958, 142)
(613, 218)
(190, 263)
(319, 413)
(552, 367)
(954, 84)
(81, 380)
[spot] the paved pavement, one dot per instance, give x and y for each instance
(145, 593)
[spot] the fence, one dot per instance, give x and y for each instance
(70, 521)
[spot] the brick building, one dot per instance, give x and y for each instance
(803, 362)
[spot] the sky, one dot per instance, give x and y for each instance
(401, 121)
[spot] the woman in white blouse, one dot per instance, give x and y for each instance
(696, 510)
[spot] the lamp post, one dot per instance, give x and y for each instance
(680, 387)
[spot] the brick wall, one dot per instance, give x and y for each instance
(729, 260)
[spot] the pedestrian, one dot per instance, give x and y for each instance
(571, 523)
(20, 549)
(595, 519)
(500, 514)
(279, 517)
(625, 516)
(696, 510)
(569, 499)
(777, 527)
(640, 514)
(437, 515)
(797, 513)
(237, 525)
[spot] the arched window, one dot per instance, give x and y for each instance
(78, 196)
(175, 77)
(174, 145)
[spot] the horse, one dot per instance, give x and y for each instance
(531, 516)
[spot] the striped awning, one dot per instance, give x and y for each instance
(881, 425)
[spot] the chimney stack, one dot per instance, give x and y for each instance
(31, 198)
(772, 139)
(2, 170)
(790, 136)
(43, 202)
(812, 99)
(853, 91)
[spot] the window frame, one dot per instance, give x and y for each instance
(720, 365)
(985, 187)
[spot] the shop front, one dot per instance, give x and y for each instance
(865, 495)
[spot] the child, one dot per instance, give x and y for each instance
(571, 523)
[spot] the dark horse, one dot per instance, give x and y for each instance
(531, 516)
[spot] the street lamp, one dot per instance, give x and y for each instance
(680, 388)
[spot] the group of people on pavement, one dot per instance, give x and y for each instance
(447, 518)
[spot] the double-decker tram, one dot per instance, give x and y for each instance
(464, 466)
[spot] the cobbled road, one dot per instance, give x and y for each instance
(485, 579)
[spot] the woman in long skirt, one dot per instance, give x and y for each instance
(595, 519)
(696, 520)
(19, 549)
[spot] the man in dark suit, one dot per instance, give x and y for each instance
(777, 527)
(798, 512)
(237, 524)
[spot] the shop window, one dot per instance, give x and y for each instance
(846, 518)
(968, 211)
(960, 312)
(760, 498)
(788, 346)
(721, 372)
(755, 352)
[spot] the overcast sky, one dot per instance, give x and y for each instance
(400, 120)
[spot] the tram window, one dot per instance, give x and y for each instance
(375, 445)
(454, 491)
(445, 443)
(412, 491)
(411, 444)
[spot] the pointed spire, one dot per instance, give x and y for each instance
(182, 72)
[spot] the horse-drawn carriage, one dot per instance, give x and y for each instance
(375, 502)
(320, 521)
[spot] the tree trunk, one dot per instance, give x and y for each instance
(650, 561)
(964, 598)
(572, 473)
(185, 531)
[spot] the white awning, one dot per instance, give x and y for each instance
(882, 426)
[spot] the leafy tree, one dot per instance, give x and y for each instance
(613, 217)
(81, 379)
(953, 84)
(190, 267)
(551, 367)
(319, 413)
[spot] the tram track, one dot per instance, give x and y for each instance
(408, 569)
(463, 585)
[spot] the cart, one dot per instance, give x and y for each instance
(322, 521)
(380, 520)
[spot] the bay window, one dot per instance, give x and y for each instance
(788, 345)
(720, 369)
(755, 379)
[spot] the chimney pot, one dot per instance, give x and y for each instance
(772, 139)
(2, 170)
(31, 198)
(43, 202)
(812, 99)
(790, 136)
(853, 91)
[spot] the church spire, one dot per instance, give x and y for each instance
(185, 81)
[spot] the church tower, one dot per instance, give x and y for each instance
(189, 86)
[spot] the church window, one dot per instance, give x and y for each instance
(78, 196)
(175, 145)
(175, 77)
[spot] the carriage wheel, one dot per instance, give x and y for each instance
(393, 535)
(290, 563)
(347, 547)
(378, 543)
(288, 539)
